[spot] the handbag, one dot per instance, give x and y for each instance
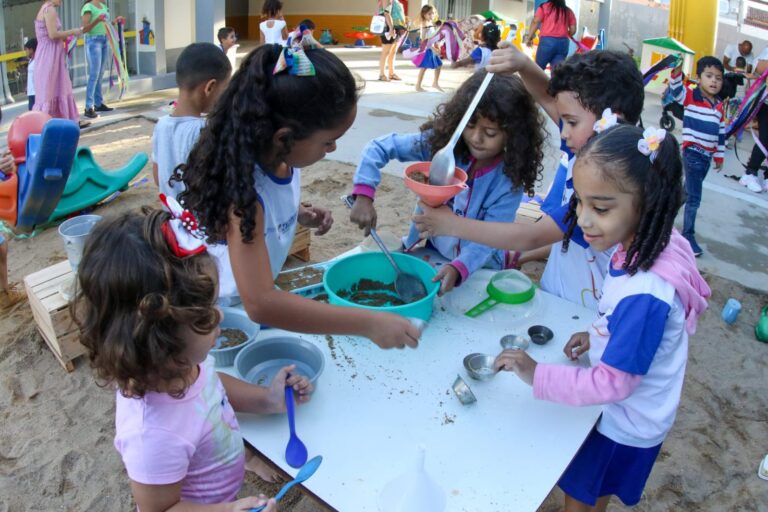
(378, 24)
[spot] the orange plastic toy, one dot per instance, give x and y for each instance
(9, 198)
(21, 128)
(433, 195)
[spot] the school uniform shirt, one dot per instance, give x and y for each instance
(489, 196)
(481, 55)
(172, 141)
(578, 274)
(195, 440)
(703, 120)
(279, 200)
(273, 35)
(31, 78)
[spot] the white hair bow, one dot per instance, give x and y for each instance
(649, 144)
(608, 120)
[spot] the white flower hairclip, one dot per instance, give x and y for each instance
(649, 144)
(608, 120)
(181, 231)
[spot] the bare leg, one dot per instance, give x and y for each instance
(8, 297)
(382, 60)
(602, 503)
(574, 505)
(422, 71)
(437, 77)
(391, 59)
(255, 465)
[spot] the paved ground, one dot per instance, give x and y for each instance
(732, 223)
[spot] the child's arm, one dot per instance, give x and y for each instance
(411, 147)
(719, 155)
(501, 235)
(247, 397)
(154, 174)
(266, 304)
(167, 498)
(466, 61)
(509, 60)
(676, 86)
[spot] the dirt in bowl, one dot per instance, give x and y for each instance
(321, 297)
(368, 292)
(419, 177)
(299, 278)
(231, 338)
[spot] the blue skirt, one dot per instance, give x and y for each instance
(603, 467)
(428, 60)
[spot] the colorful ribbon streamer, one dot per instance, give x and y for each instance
(753, 99)
(450, 33)
(668, 62)
(116, 42)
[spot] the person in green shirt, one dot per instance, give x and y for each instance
(95, 16)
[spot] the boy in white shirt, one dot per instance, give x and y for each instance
(202, 73)
(31, 47)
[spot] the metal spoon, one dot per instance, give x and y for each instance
(408, 286)
(295, 451)
(304, 473)
(443, 164)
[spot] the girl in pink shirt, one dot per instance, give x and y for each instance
(556, 24)
(147, 315)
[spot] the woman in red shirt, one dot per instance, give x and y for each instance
(558, 24)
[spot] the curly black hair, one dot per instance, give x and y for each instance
(218, 176)
(134, 294)
(657, 185)
(491, 34)
(507, 103)
(602, 79)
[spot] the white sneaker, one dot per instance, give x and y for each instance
(751, 182)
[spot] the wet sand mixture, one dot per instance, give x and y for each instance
(368, 292)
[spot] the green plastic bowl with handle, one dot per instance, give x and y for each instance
(342, 274)
(505, 287)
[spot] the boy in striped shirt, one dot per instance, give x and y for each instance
(703, 134)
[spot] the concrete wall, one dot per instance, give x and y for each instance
(179, 29)
(19, 19)
(632, 22)
(237, 16)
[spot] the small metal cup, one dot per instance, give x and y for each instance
(514, 342)
(540, 334)
(463, 393)
(480, 366)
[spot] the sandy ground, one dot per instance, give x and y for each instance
(56, 429)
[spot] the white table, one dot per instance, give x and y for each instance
(372, 409)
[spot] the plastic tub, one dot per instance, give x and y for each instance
(259, 362)
(374, 265)
(234, 319)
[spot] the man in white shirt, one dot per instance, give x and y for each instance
(733, 51)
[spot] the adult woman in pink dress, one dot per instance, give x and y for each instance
(53, 87)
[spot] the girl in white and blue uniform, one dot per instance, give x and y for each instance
(490, 35)
(627, 192)
(500, 150)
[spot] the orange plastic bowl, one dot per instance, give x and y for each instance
(433, 195)
(21, 128)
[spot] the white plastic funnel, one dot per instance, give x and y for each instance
(413, 491)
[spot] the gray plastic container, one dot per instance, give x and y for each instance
(259, 362)
(234, 319)
(75, 232)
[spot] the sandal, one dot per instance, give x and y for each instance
(383, 78)
(394, 77)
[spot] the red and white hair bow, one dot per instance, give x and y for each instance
(181, 231)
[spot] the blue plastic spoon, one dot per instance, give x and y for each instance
(304, 473)
(295, 452)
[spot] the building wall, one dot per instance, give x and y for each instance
(237, 16)
(631, 22)
(179, 29)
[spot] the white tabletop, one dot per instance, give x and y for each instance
(372, 409)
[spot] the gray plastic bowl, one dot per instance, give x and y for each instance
(234, 319)
(259, 362)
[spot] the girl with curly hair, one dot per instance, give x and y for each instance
(628, 189)
(501, 150)
(243, 179)
(147, 314)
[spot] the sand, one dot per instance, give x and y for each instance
(56, 429)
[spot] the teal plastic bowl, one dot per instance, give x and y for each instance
(342, 274)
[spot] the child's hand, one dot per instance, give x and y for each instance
(507, 59)
(517, 361)
(315, 217)
(302, 388)
(718, 165)
(434, 221)
(393, 331)
(7, 164)
(363, 213)
(101, 17)
(577, 345)
(120, 19)
(250, 502)
(448, 276)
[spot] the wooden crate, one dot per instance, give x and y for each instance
(51, 313)
(528, 213)
(301, 240)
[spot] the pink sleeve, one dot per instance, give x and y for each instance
(154, 456)
(539, 13)
(571, 18)
(601, 384)
(364, 190)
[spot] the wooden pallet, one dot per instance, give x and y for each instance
(51, 312)
(301, 241)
